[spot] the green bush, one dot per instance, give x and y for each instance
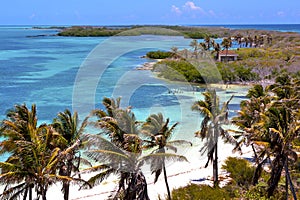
(236, 72)
(159, 54)
(240, 171)
(250, 53)
(175, 70)
(199, 192)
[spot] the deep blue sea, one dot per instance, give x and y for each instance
(270, 27)
(57, 73)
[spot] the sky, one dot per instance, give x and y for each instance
(130, 12)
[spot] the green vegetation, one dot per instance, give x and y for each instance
(270, 120)
(159, 135)
(263, 59)
(211, 127)
(189, 32)
(79, 31)
(181, 70)
(178, 71)
(240, 171)
(42, 155)
(159, 54)
(235, 73)
(199, 192)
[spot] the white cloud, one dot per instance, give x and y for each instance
(212, 13)
(176, 10)
(190, 9)
(32, 16)
(281, 13)
(191, 6)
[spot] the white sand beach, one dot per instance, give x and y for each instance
(179, 174)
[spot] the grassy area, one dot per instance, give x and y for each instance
(189, 32)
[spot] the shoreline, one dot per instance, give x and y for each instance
(148, 66)
(179, 175)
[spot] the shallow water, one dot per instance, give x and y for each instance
(57, 73)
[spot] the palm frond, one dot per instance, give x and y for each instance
(180, 142)
(14, 192)
(157, 174)
(95, 168)
(117, 161)
(169, 146)
(98, 178)
(97, 141)
(166, 157)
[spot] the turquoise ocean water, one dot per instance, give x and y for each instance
(270, 27)
(38, 67)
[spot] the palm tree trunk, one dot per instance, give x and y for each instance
(166, 182)
(30, 193)
(44, 193)
(226, 55)
(277, 166)
(66, 190)
(289, 181)
(286, 185)
(255, 154)
(257, 174)
(215, 166)
(67, 184)
(258, 171)
(25, 193)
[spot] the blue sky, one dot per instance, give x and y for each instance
(120, 12)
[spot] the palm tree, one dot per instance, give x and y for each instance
(272, 123)
(127, 164)
(157, 130)
(69, 128)
(14, 129)
(269, 39)
(174, 51)
(33, 154)
(239, 38)
(255, 40)
(282, 127)
(211, 127)
(185, 53)
(208, 42)
(113, 159)
(248, 117)
(120, 154)
(250, 40)
(194, 45)
(226, 44)
(217, 49)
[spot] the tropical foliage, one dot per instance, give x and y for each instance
(201, 192)
(122, 155)
(270, 121)
(211, 128)
(68, 126)
(40, 155)
(159, 54)
(34, 155)
(159, 136)
(181, 70)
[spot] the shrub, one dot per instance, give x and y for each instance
(199, 192)
(184, 71)
(240, 171)
(159, 54)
